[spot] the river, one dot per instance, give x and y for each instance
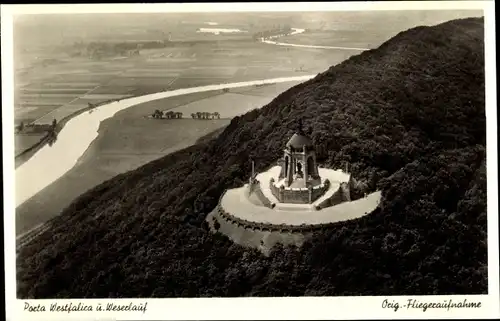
(52, 162)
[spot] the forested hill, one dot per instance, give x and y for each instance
(409, 118)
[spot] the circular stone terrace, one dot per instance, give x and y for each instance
(237, 203)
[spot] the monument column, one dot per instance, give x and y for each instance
(306, 169)
(289, 175)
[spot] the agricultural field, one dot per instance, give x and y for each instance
(23, 142)
(334, 38)
(228, 105)
(125, 142)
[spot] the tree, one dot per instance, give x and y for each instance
(157, 114)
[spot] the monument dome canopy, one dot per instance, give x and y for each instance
(298, 141)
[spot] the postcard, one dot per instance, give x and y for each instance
(250, 161)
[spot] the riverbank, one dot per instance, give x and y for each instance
(26, 154)
(126, 141)
(116, 150)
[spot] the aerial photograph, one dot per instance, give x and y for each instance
(250, 154)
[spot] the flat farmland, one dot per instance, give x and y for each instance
(51, 84)
(129, 140)
(30, 113)
(132, 138)
(55, 85)
(119, 90)
(235, 102)
(60, 113)
(137, 81)
(89, 77)
(187, 82)
(272, 90)
(55, 91)
(40, 91)
(24, 141)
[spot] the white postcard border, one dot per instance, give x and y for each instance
(254, 308)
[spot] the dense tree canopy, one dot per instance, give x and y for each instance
(408, 117)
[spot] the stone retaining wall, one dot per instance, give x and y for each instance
(257, 226)
(298, 195)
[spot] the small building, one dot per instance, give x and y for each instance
(299, 181)
(287, 203)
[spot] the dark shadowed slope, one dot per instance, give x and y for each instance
(408, 117)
